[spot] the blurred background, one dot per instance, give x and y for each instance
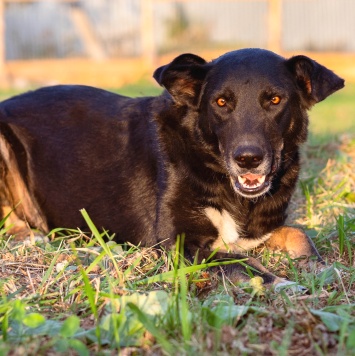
(113, 42)
(119, 43)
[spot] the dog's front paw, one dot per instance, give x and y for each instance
(293, 241)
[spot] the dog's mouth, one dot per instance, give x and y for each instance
(252, 185)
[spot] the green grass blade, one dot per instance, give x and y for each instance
(102, 243)
(91, 298)
(169, 276)
(341, 233)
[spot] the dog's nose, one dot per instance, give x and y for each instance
(248, 156)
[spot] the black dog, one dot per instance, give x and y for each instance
(216, 156)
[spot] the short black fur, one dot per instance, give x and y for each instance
(151, 168)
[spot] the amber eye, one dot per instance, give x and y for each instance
(275, 100)
(221, 102)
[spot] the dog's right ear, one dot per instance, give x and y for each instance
(183, 78)
(316, 81)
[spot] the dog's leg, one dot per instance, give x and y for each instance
(15, 194)
(293, 241)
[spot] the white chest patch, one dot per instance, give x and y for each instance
(229, 239)
(228, 233)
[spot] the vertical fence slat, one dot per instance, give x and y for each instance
(275, 25)
(93, 47)
(147, 31)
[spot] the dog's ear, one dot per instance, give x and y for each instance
(183, 78)
(316, 81)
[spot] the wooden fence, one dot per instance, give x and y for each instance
(144, 34)
(93, 48)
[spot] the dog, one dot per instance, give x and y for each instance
(215, 157)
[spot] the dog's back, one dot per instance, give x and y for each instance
(65, 148)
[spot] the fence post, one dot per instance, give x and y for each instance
(3, 76)
(86, 32)
(274, 24)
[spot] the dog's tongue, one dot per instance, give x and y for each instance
(250, 180)
(252, 177)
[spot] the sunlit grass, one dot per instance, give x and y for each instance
(334, 116)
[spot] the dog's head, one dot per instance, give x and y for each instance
(253, 103)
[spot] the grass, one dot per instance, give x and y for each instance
(334, 116)
(80, 293)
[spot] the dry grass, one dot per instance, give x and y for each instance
(61, 276)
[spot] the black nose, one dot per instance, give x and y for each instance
(248, 156)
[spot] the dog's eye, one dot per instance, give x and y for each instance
(221, 102)
(275, 100)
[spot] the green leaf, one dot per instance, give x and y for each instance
(332, 321)
(212, 318)
(230, 312)
(220, 310)
(50, 328)
(70, 326)
(18, 311)
(79, 347)
(153, 303)
(227, 314)
(123, 329)
(350, 343)
(212, 301)
(62, 345)
(34, 320)
(327, 275)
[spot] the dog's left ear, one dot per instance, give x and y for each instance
(316, 81)
(183, 78)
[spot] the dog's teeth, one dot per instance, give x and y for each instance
(261, 180)
(251, 181)
(241, 180)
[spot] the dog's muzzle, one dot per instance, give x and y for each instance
(251, 171)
